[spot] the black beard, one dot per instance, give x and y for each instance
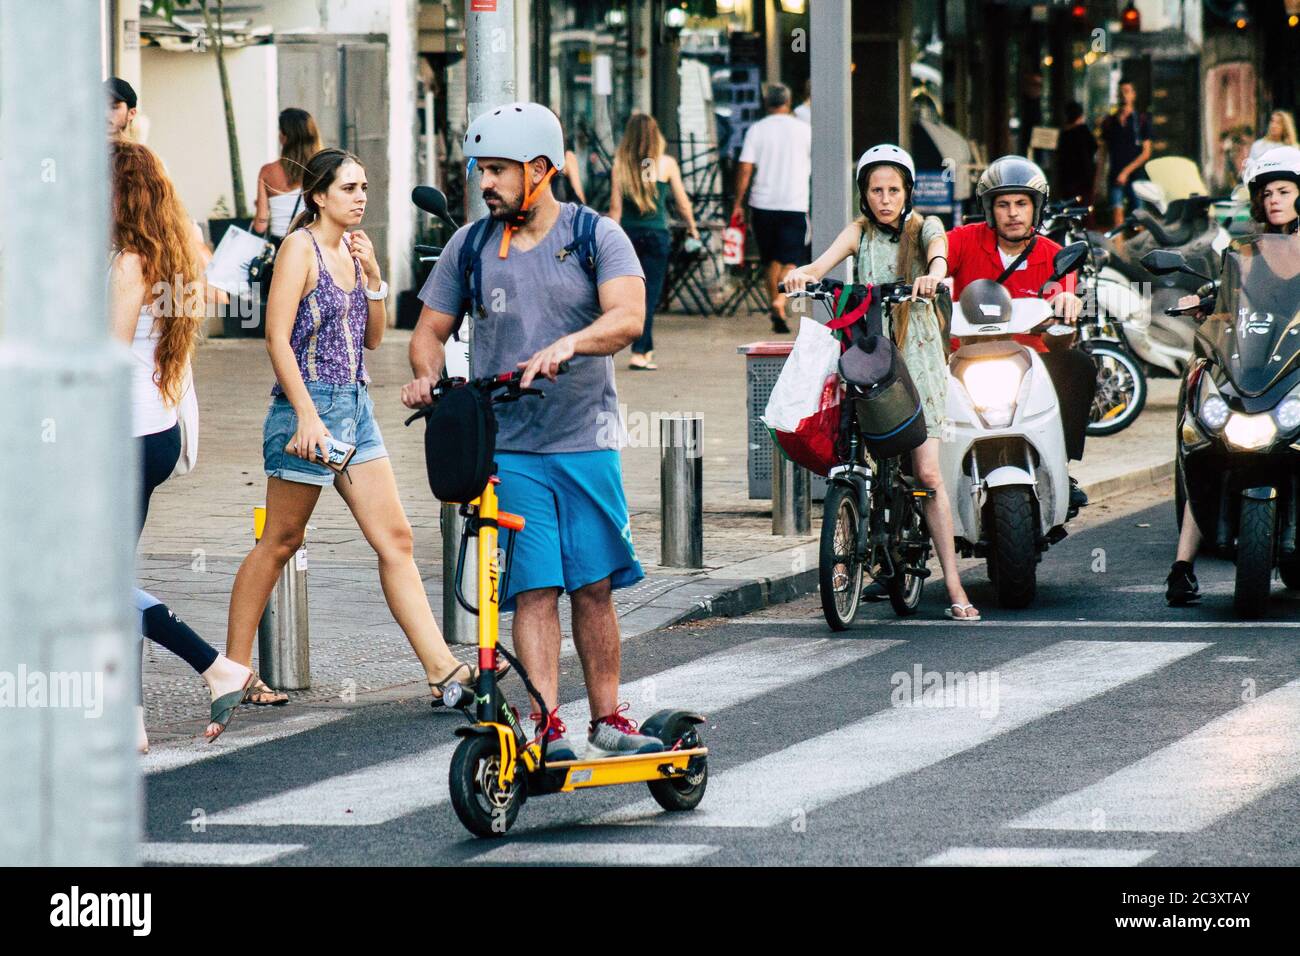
(507, 213)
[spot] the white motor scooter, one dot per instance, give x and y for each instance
(1003, 449)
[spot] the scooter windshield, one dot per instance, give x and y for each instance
(1255, 328)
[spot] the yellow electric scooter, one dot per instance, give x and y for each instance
(497, 767)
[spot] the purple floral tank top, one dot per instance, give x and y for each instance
(329, 331)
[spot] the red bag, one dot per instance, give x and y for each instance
(812, 444)
(733, 241)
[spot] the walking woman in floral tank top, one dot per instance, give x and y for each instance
(326, 303)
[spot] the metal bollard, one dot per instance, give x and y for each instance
(283, 634)
(791, 496)
(681, 492)
(458, 625)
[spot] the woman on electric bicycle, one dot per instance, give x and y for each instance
(895, 244)
(1274, 183)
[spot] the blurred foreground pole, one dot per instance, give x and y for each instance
(69, 659)
(830, 32)
(490, 60)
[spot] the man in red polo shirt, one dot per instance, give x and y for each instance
(1008, 249)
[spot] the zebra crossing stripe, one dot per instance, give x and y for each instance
(170, 756)
(597, 854)
(1223, 766)
(1036, 856)
(216, 854)
(395, 788)
(786, 785)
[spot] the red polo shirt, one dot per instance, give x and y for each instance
(973, 254)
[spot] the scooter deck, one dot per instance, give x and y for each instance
(634, 768)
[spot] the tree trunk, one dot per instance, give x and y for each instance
(236, 170)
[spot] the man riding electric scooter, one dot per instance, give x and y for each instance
(1008, 249)
(548, 283)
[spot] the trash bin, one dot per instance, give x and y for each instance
(763, 364)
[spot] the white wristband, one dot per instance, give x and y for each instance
(377, 296)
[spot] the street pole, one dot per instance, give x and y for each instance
(70, 790)
(830, 36)
(490, 65)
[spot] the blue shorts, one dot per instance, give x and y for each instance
(1121, 196)
(576, 527)
(346, 411)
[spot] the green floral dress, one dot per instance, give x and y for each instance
(923, 350)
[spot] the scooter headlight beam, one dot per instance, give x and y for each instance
(993, 385)
(1250, 432)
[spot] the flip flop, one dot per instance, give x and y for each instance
(260, 689)
(223, 708)
(963, 607)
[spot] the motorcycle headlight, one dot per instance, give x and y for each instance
(993, 385)
(1288, 413)
(1215, 412)
(1250, 432)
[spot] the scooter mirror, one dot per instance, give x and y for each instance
(433, 202)
(1069, 259)
(1163, 262)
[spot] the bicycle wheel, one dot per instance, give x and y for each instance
(839, 568)
(914, 549)
(1121, 390)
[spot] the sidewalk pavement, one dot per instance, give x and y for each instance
(200, 526)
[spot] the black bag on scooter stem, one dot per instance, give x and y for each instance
(886, 404)
(460, 441)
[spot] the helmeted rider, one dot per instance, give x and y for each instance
(1273, 180)
(1008, 248)
(545, 299)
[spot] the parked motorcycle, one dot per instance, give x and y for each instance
(1004, 464)
(1238, 440)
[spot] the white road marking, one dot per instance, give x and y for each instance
(216, 854)
(169, 756)
(789, 784)
(1230, 762)
(1036, 856)
(1086, 624)
(598, 854)
(386, 791)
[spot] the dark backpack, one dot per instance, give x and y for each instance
(460, 442)
(470, 264)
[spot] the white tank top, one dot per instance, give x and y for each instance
(149, 413)
(282, 206)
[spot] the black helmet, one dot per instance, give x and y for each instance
(1012, 174)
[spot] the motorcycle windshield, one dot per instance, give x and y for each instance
(1255, 328)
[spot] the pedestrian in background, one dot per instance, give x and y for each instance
(279, 182)
(1076, 156)
(326, 304)
(1127, 135)
(776, 159)
(1280, 132)
(122, 108)
(568, 185)
(156, 308)
(643, 175)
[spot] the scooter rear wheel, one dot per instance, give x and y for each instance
(483, 808)
(681, 793)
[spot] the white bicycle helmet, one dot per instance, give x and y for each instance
(1281, 162)
(518, 131)
(886, 154)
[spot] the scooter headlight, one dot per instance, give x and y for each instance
(1215, 412)
(1288, 413)
(993, 385)
(1250, 432)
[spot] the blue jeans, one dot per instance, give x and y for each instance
(651, 247)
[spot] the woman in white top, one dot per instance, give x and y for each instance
(158, 300)
(1281, 132)
(279, 183)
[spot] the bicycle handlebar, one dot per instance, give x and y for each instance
(492, 383)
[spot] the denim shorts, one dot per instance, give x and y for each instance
(576, 529)
(349, 416)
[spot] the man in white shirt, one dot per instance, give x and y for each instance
(776, 159)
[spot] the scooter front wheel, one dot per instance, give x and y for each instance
(838, 565)
(1013, 552)
(481, 805)
(1255, 544)
(1121, 390)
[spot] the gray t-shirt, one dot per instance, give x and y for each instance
(533, 298)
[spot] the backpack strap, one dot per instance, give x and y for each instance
(583, 243)
(470, 265)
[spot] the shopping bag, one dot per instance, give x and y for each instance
(803, 411)
(236, 251)
(733, 241)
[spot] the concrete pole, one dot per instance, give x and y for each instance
(830, 35)
(490, 40)
(69, 656)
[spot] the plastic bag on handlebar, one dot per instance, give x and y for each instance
(460, 441)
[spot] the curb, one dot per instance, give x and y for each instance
(735, 598)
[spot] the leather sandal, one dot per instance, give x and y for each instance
(223, 708)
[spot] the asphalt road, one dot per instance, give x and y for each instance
(1098, 727)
